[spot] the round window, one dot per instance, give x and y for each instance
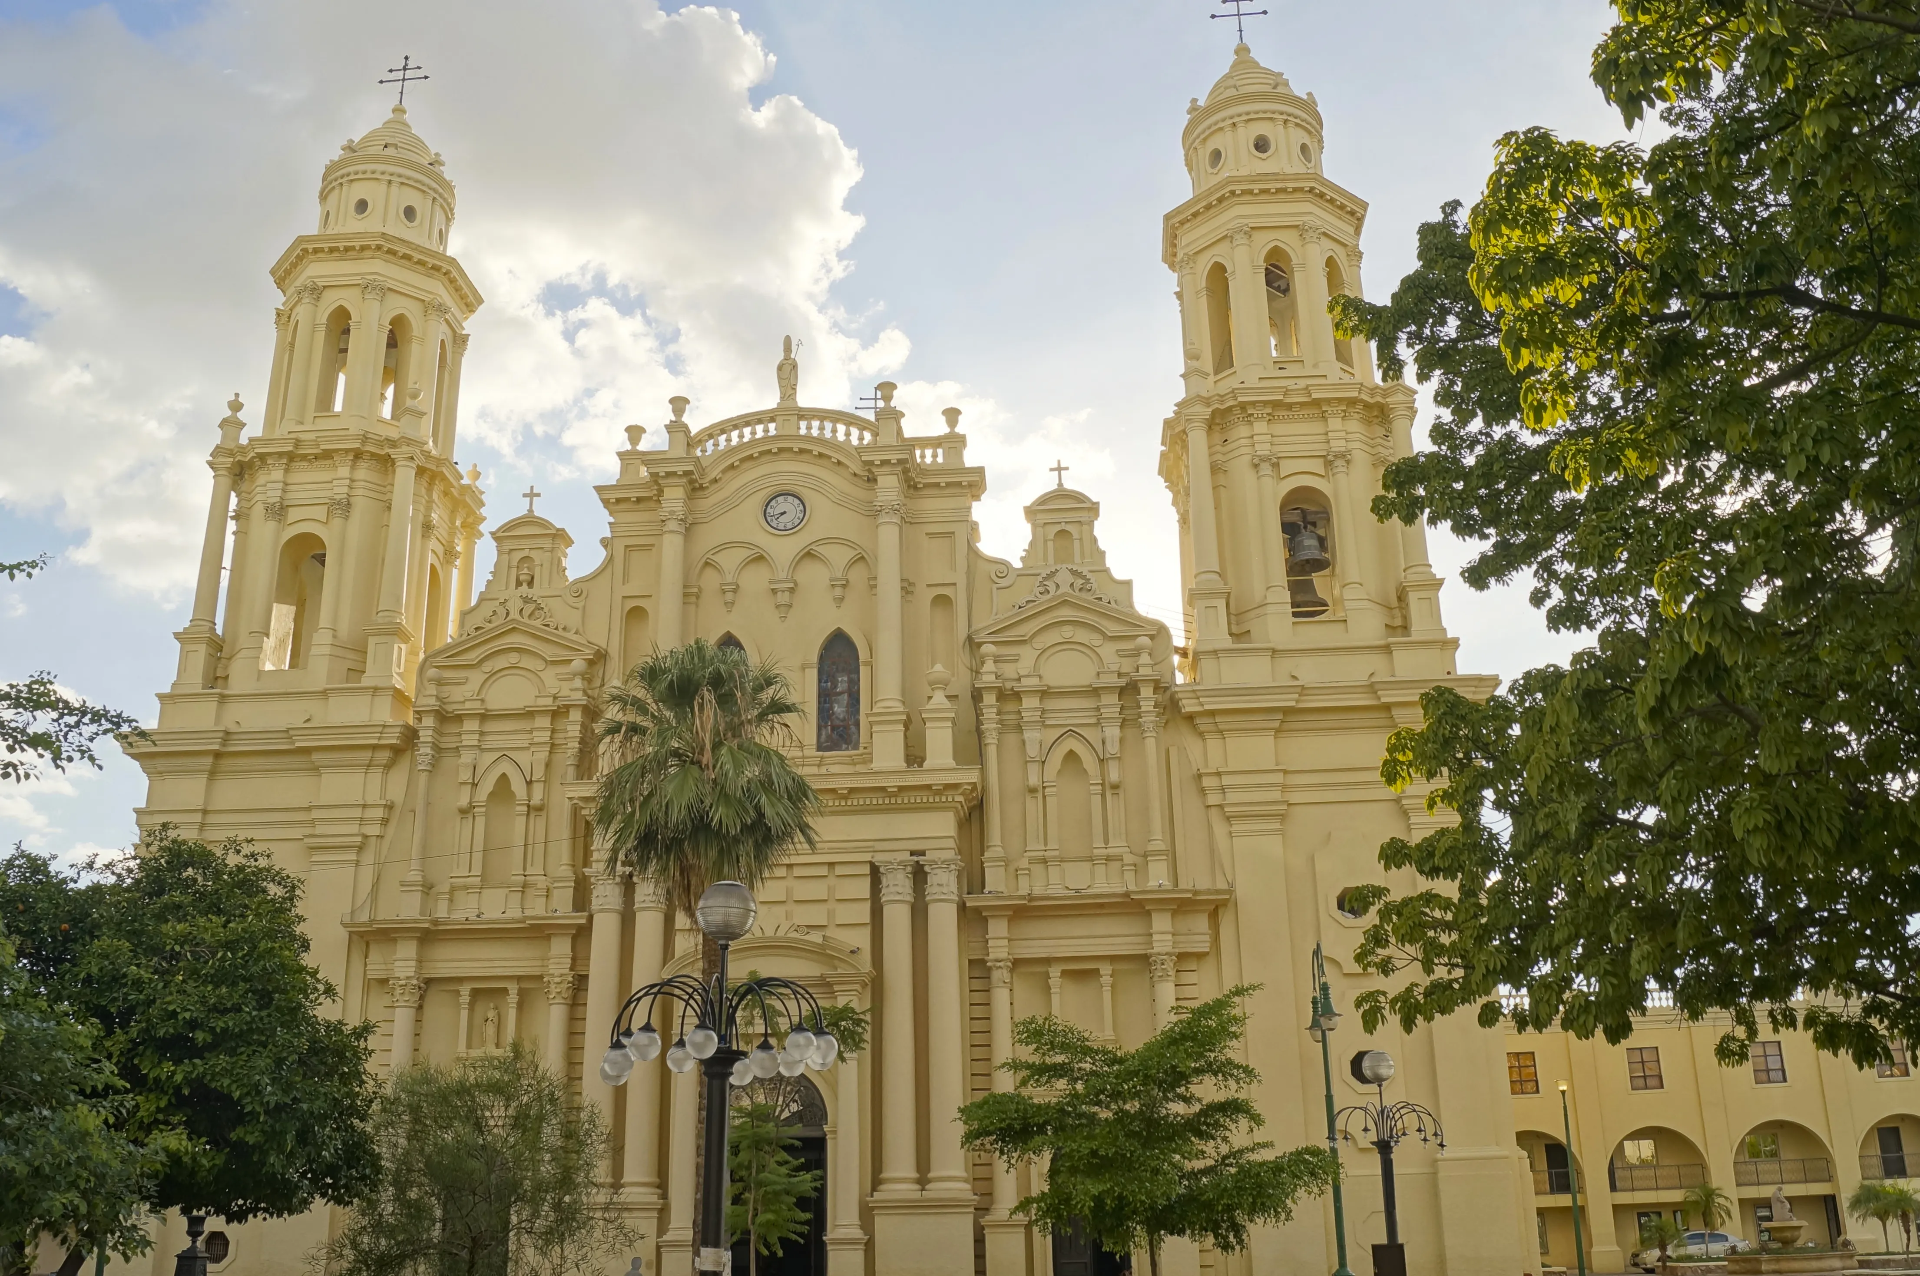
(1262, 144)
(359, 208)
(410, 212)
(1306, 153)
(1214, 157)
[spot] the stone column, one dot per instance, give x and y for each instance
(643, 1087)
(888, 716)
(303, 356)
(444, 430)
(1351, 496)
(366, 353)
(263, 553)
(387, 646)
(1310, 295)
(1209, 589)
(463, 579)
(670, 613)
(995, 859)
(899, 1148)
(407, 992)
(1252, 348)
(558, 986)
(1162, 967)
(1006, 1234)
(199, 641)
(676, 1244)
(946, 1042)
(603, 984)
(1273, 576)
(1417, 579)
(846, 1240)
(1160, 871)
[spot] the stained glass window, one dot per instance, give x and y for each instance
(728, 640)
(839, 709)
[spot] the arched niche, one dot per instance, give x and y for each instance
(635, 637)
(942, 637)
(1283, 313)
(295, 616)
(500, 834)
(1219, 318)
(1337, 287)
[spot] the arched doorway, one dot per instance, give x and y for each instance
(1076, 1254)
(803, 1113)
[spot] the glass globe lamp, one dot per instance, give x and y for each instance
(765, 1060)
(742, 1074)
(725, 912)
(616, 1065)
(702, 1042)
(644, 1043)
(826, 1048)
(679, 1058)
(799, 1046)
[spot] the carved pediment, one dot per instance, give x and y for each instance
(522, 606)
(1065, 579)
(554, 642)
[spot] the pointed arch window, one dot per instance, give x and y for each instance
(728, 640)
(838, 711)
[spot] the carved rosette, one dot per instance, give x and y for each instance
(559, 986)
(943, 880)
(406, 990)
(896, 881)
(274, 511)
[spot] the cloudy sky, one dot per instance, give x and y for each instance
(963, 198)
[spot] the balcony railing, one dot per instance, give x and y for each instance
(1655, 1178)
(1786, 1169)
(1553, 1182)
(1888, 1165)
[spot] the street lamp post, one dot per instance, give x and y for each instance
(1388, 1123)
(1573, 1184)
(725, 913)
(1319, 1027)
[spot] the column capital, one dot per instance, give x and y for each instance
(943, 880)
(1000, 972)
(648, 897)
(1161, 966)
(559, 987)
(606, 893)
(896, 881)
(406, 990)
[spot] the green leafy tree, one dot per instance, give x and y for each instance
(1147, 1143)
(488, 1167)
(769, 1183)
(41, 722)
(1713, 1206)
(187, 964)
(1659, 1233)
(64, 1168)
(1677, 387)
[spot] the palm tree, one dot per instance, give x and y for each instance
(699, 789)
(1875, 1202)
(1902, 1199)
(1659, 1232)
(1712, 1205)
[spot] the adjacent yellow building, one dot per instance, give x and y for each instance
(1035, 801)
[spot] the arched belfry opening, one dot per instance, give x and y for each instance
(1283, 320)
(795, 1105)
(1336, 287)
(331, 385)
(296, 602)
(1219, 318)
(837, 711)
(1306, 526)
(394, 372)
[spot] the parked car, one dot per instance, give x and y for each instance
(1691, 1245)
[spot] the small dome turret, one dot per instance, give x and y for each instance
(1252, 123)
(389, 180)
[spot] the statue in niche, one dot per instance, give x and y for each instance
(788, 373)
(523, 577)
(490, 1028)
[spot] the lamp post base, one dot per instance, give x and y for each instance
(1390, 1259)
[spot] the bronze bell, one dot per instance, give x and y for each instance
(1306, 600)
(1307, 553)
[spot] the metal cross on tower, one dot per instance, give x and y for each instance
(1059, 473)
(403, 74)
(1239, 15)
(530, 494)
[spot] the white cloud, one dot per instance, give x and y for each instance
(640, 227)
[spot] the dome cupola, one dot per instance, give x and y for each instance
(388, 181)
(1252, 124)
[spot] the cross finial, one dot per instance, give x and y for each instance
(1239, 15)
(1059, 473)
(404, 75)
(530, 494)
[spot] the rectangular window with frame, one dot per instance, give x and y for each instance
(1769, 1063)
(1643, 1068)
(1897, 1067)
(1636, 1152)
(1523, 1074)
(1763, 1147)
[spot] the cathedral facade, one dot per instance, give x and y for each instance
(1036, 798)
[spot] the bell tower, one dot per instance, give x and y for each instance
(353, 529)
(1274, 452)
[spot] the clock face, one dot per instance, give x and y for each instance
(784, 511)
